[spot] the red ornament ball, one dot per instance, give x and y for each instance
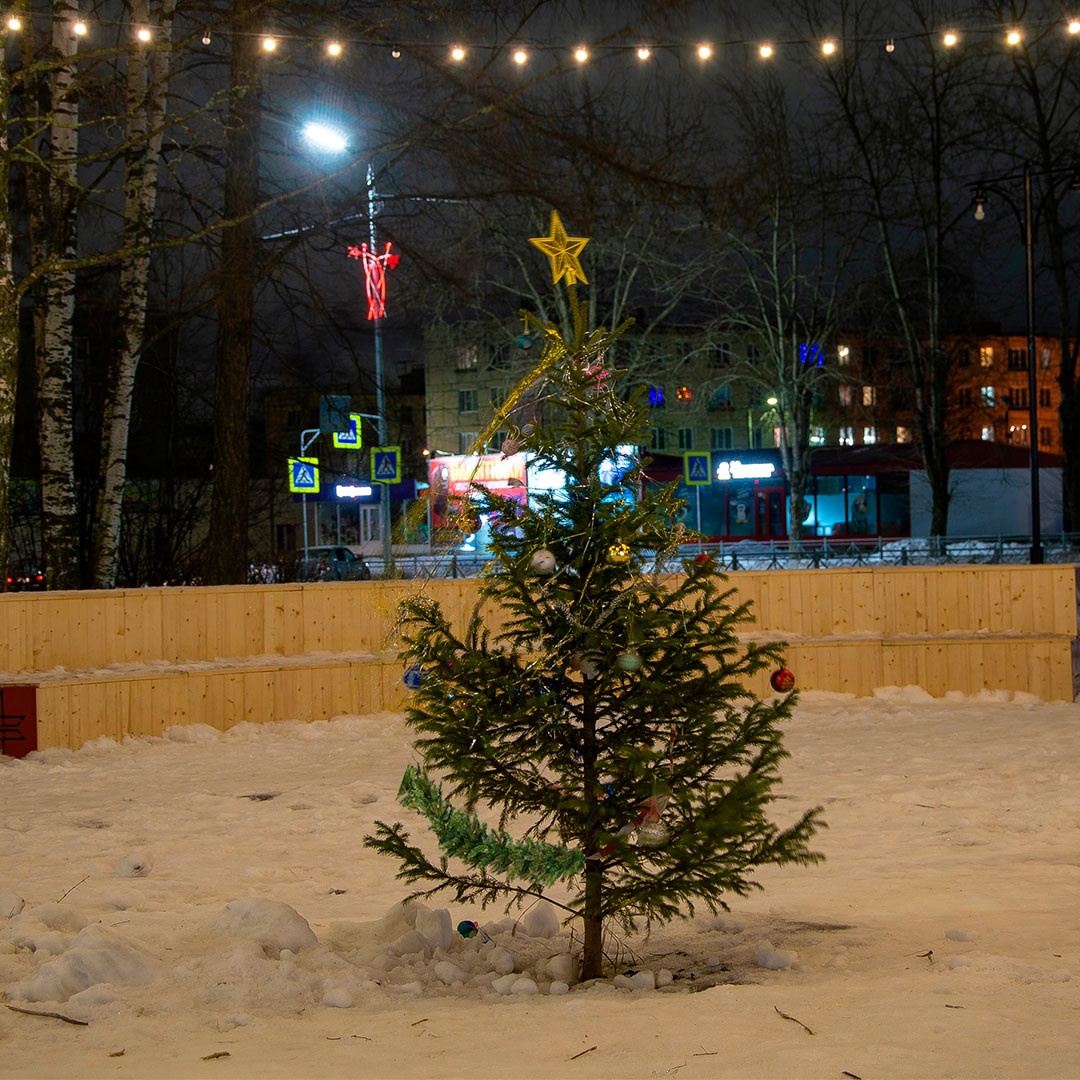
(782, 680)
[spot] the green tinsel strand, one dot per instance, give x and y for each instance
(463, 836)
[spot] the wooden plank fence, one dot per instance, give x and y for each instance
(134, 662)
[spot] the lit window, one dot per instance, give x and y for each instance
(466, 441)
(986, 356)
(656, 398)
(686, 438)
(986, 396)
(466, 358)
(844, 395)
(684, 394)
(843, 355)
(811, 354)
(847, 436)
(903, 435)
(869, 395)
(1044, 359)
(817, 435)
(720, 398)
(869, 436)
(987, 434)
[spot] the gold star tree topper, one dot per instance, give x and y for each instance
(563, 251)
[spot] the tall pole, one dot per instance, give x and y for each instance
(1033, 383)
(380, 387)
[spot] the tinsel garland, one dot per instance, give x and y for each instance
(463, 836)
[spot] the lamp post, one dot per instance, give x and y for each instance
(1026, 220)
(329, 139)
(380, 384)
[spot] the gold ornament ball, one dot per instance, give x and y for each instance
(629, 661)
(618, 554)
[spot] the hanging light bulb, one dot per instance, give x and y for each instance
(144, 34)
(14, 23)
(980, 201)
(269, 44)
(581, 54)
(520, 56)
(890, 46)
(644, 52)
(765, 51)
(950, 38)
(704, 51)
(395, 52)
(457, 53)
(333, 48)
(206, 36)
(828, 47)
(1014, 37)
(1074, 26)
(79, 28)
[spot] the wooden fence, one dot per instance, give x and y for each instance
(138, 661)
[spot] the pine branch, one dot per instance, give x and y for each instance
(463, 836)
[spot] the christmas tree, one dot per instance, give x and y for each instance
(595, 701)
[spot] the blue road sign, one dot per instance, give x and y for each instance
(351, 439)
(304, 475)
(386, 464)
(696, 468)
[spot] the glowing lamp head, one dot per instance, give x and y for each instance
(325, 137)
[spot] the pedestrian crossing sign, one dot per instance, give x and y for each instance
(696, 468)
(304, 475)
(386, 464)
(351, 439)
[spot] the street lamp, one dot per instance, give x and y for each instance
(1025, 218)
(327, 138)
(380, 382)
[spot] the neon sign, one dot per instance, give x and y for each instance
(375, 265)
(738, 470)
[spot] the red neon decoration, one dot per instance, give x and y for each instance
(375, 265)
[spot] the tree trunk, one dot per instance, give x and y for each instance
(54, 346)
(9, 336)
(235, 310)
(146, 104)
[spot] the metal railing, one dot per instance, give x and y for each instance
(810, 553)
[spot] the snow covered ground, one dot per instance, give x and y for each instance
(203, 906)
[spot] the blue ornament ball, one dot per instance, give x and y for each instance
(413, 676)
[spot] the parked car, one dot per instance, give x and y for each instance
(24, 577)
(332, 563)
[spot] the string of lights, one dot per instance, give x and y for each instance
(1009, 35)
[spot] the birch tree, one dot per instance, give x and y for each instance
(146, 86)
